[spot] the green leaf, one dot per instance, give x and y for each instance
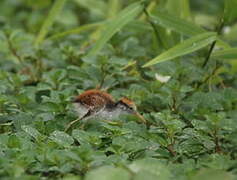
(186, 47)
(81, 136)
(61, 138)
(207, 174)
(230, 13)
(78, 30)
(31, 131)
(151, 166)
(230, 53)
(86, 138)
(114, 7)
(123, 18)
(108, 173)
(71, 177)
(14, 142)
(181, 26)
(176, 24)
(179, 8)
(97, 8)
(144, 175)
(20, 119)
(55, 10)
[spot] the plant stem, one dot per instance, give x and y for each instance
(208, 77)
(170, 148)
(13, 50)
(219, 29)
(216, 139)
(154, 27)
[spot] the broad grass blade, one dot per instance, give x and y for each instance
(226, 54)
(78, 30)
(123, 18)
(181, 26)
(176, 24)
(188, 46)
(55, 10)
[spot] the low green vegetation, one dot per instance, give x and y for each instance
(176, 59)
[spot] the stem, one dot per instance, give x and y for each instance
(219, 29)
(209, 54)
(216, 140)
(208, 77)
(13, 50)
(154, 27)
(103, 77)
(170, 148)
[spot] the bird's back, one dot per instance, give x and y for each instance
(94, 99)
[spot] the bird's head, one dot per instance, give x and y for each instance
(127, 106)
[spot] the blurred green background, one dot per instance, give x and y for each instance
(192, 128)
(29, 14)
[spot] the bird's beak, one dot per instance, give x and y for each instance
(140, 117)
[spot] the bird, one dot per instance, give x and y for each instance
(99, 104)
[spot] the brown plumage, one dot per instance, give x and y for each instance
(94, 99)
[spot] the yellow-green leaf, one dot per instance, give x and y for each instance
(176, 24)
(181, 26)
(55, 10)
(230, 53)
(123, 18)
(188, 46)
(78, 30)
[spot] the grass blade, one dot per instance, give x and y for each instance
(55, 10)
(78, 30)
(97, 8)
(230, 13)
(179, 8)
(181, 26)
(230, 53)
(176, 24)
(123, 18)
(114, 7)
(188, 46)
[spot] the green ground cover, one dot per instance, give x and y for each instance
(51, 51)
